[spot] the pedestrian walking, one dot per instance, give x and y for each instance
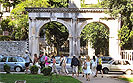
(35, 59)
(99, 65)
(94, 65)
(87, 70)
(80, 70)
(46, 60)
(74, 65)
(27, 59)
(54, 69)
(42, 60)
(63, 65)
(36, 63)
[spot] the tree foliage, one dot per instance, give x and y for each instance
(7, 3)
(58, 3)
(56, 34)
(83, 5)
(20, 17)
(5, 25)
(123, 9)
(98, 35)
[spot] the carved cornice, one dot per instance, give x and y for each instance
(68, 10)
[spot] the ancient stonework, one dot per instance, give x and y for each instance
(14, 48)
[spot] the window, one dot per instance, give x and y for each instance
(126, 63)
(118, 62)
(19, 59)
(3, 59)
(12, 59)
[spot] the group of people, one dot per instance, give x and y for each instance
(86, 67)
(40, 62)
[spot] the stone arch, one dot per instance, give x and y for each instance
(91, 21)
(60, 21)
(74, 20)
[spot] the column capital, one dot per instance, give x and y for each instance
(74, 18)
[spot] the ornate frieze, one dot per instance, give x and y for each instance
(72, 10)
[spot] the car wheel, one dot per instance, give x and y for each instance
(18, 69)
(105, 70)
(128, 72)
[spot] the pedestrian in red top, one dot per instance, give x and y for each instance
(54, 69)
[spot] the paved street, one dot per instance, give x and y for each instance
(112, 77)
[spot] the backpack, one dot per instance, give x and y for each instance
(75, 62)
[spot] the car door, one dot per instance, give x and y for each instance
(116, 66)
(12, 62)
(2, 62)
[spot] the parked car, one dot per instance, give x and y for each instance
(118, 65)
(16, 63)
(106, 59)
(1, 56)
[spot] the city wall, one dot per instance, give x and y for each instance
(14, 48)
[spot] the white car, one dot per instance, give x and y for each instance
(118, 65)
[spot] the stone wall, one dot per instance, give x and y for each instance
(13, 48)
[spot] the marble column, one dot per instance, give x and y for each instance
(32, 39)
(78, 46)
(74, 35)
(70, 45)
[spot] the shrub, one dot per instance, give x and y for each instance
(34, 69)
(7, 68)
(47, 71)
(5, 38)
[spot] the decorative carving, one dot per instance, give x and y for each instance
(79, 10)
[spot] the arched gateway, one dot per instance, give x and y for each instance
(75, 20)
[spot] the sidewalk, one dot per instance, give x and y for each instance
(98, 79)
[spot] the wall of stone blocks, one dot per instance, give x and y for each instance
(13, 48)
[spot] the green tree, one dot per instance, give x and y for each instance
(5, 25)
(56, 34)
(7, 3)
(98, 35)
(83, 5)
(58, 3)
(122, 8)
(20, 17)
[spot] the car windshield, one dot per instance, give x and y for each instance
(20, 59)
(110, 61)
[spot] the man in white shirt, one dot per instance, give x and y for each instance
(27, 60)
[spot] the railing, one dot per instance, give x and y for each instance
(127, 54)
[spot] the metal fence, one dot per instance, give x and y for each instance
(127, 54)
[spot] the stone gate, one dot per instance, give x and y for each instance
(75, 19)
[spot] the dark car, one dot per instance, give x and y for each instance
(16, 63)
(106, 59)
